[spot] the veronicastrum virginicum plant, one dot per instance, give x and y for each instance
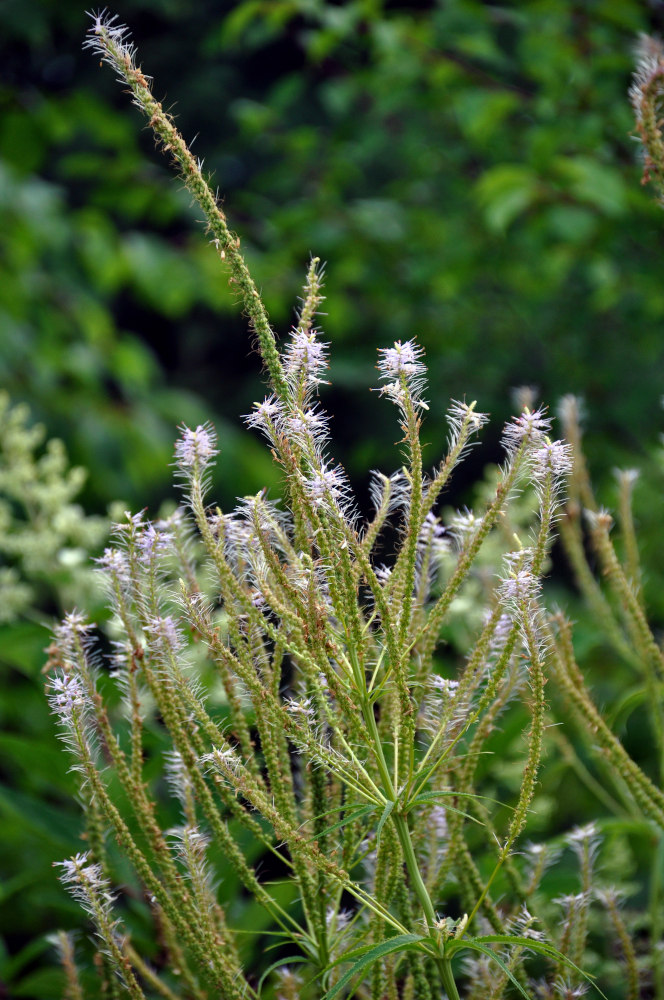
(328, 741)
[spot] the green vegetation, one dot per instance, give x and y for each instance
(466, 171)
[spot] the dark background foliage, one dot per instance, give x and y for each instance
(465, 169)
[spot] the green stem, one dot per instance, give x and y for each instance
(447, 976)
(370, 722)
(499, 865)
(401, 824)
(403, 833)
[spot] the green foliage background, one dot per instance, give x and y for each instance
(466, 170)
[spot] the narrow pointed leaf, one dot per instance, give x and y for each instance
(291, 960)
(403, 942)
(348, 818)
(541, 947)
(450, 793)
(485, 950)
(466, 815)
(389, 806)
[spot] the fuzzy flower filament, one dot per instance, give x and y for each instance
(404, 373)
(305, 362)
(88, 885)
(195, 449)
(527, 430)
(327, 486)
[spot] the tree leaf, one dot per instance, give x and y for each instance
(504, 192)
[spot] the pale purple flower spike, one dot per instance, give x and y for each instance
(195, 447)
(402, 359)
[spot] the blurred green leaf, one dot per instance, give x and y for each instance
(504, 193)
(22, 646)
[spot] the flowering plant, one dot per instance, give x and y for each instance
(316, 722)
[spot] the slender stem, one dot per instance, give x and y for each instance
(421, 891)
(499, 865)
(112, 48)
(447, 976)
(401, 824)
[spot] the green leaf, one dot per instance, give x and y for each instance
(291, 960)
(348, 818)
(596, 183)
(623, 708)
(28, 754)
(56, 827)
(541, 947)
(474, 946)
(15, 965)
(445, 793)
(389, 806)
(504, 192)
(402, 942)
(22, 646)
(47, 984)
(11, 886)
(466, 815)
(434, 795)
(481, 113)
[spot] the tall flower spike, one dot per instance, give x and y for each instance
(520, 589)
(528, 428)
(164, 634)
(554, 458)
(178, 777)
(433, 545)
(402, 359)
(66, 696)
(84, 879)
(266, 416)
(313, 296)
(570, 411)
(92, 890)
(646, 95)
(393, 490)
(403, 371)
(306, 358)
(585, 841)
(191, 847)
(462, 414)
(114, 563)
(109, 40)
(463, 526)
(152, 544)
(308, 427)
(72, 633)
(326, 485)
(70, 702)
(195, 449)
